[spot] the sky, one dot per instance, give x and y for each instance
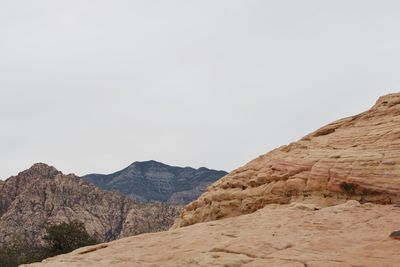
(92, 86)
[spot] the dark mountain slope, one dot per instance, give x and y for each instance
(155, 181)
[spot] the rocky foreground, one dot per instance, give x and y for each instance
(295, 235)
(298, 205)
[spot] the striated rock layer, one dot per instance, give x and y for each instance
(43, 195)
(299, 235)
(353, 158)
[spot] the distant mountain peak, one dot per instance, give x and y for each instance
(147, 162)
(156, 181)
(158, 163)
(41, 170)
(40, 166)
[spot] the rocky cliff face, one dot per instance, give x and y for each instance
(42, 195)
(155, 181)
(14, 186)
(353, 158)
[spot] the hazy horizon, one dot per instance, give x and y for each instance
(92, 86)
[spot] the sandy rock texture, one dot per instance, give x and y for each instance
(295, 235)
(353, 158)
(43, 195)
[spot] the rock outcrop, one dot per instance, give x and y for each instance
(353, 158)
(155, 181)
(327, 200)
(349, 234)
(43, 195)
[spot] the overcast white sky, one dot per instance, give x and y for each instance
(91, 86)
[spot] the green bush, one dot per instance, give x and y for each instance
(61, 238)
(21, 252)
(66, 237)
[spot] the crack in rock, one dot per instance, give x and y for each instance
(92, 249)
(223, 250)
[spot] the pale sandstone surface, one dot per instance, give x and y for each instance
(294, 235)
(353, 158)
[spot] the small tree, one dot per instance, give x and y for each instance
(66, 237)
(20, 252)
(61, 238)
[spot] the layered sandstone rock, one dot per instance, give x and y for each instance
(295, 235)
(353, 158)
(43, 195)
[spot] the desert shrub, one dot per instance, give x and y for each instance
(61, 238)
(348, 188)
(21, 252)
(8, 257)
(66, 237)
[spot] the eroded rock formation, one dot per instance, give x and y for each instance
(353, 158)
(43, 195)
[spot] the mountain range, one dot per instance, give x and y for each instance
(151, 181)
(144, 197)
(42, 195)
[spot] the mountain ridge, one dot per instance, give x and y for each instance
(42, 195)
(156, 181)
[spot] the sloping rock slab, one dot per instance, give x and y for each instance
(349, 234)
